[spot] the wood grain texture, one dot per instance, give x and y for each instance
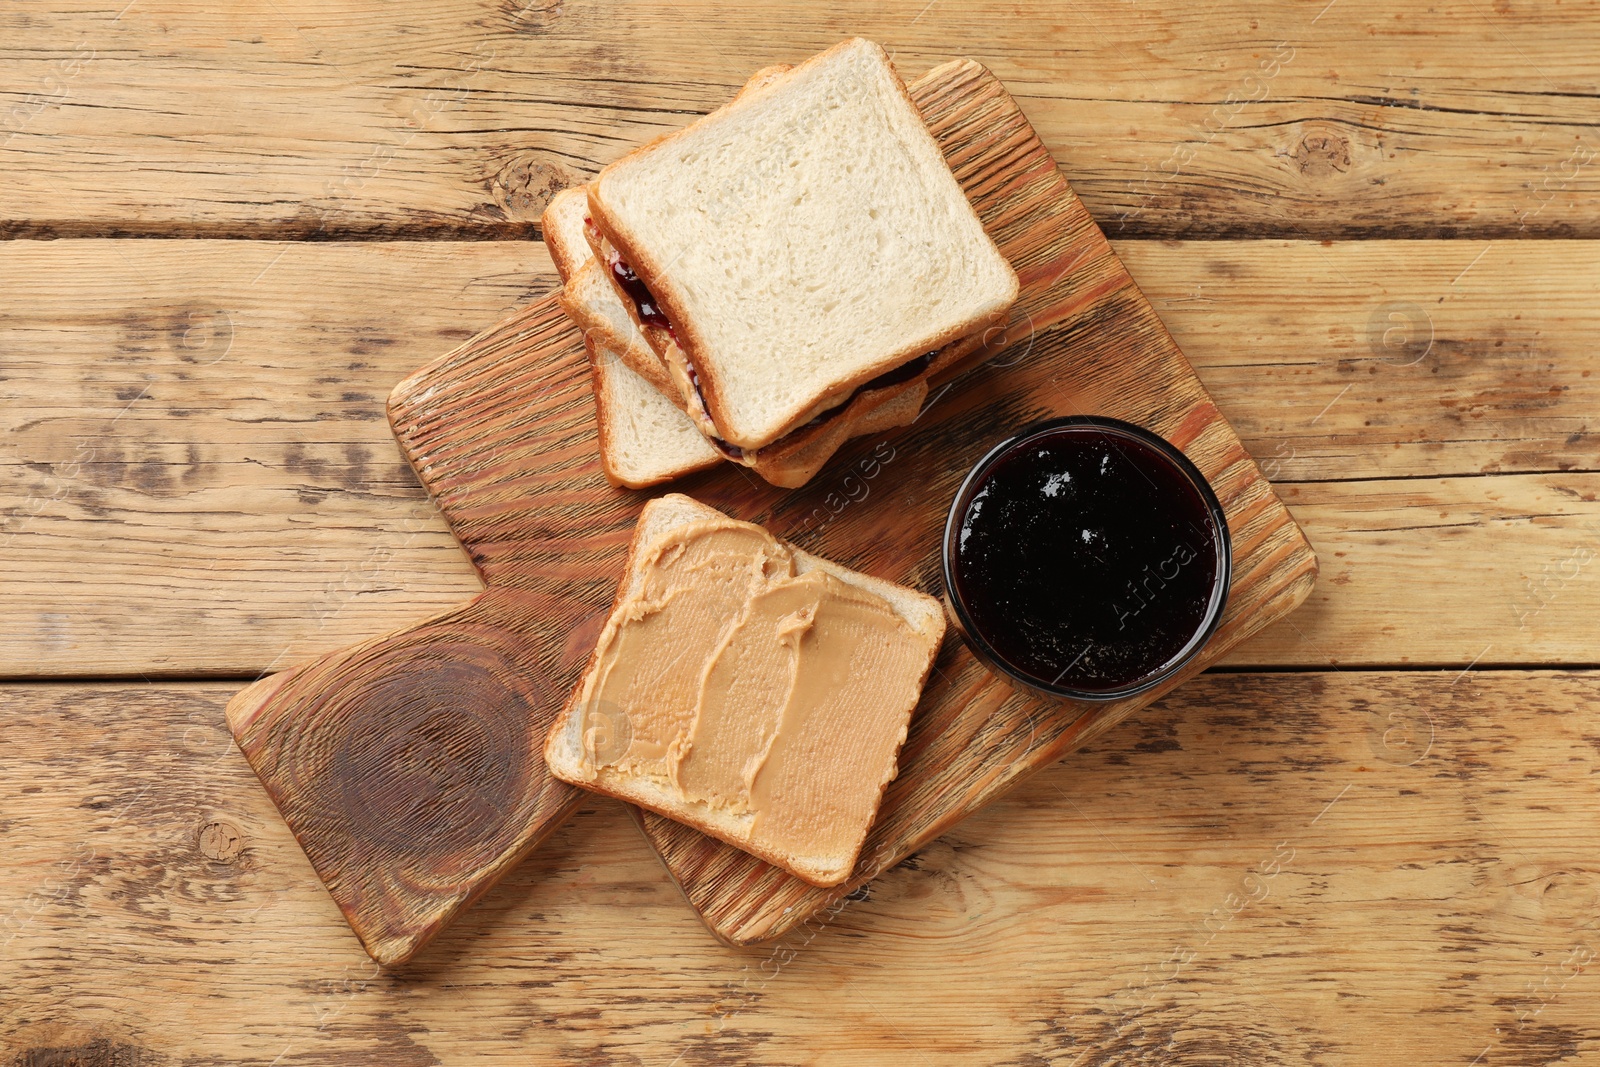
(1451, 571)
(1433, 901)
(1390, 359)
(415, 791)
(194, 440)
(427, 119)
(166, 512)
(501, 433)
(192, 436)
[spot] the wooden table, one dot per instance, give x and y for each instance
(1370, 838)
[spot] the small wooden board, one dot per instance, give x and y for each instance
(501, 432)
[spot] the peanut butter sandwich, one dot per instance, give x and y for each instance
(749, 689)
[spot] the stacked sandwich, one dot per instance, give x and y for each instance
(782, 275)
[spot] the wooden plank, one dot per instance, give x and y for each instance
(202, 423)
(1351, 119)
(1378, 359)
(1445, 572)
(1382, 867)
(194, 435)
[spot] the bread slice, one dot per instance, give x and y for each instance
(803, 240)
(600, 310)
(851, 767)
(586, 295)
(592, 299)
(644, 439)
(562, 226)
(794, 459)
(589, 300)
(585, 285)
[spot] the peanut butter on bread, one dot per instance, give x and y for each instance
(750, 690)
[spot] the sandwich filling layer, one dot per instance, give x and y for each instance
(774, 698)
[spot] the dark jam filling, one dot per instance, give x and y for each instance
(901, 374)
(650, 313)
(731, 451)
(1086, 560)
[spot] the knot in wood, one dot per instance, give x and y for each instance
(221, 841)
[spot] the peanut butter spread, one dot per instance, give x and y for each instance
(777, 699)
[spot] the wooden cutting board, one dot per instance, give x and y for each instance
(409, 767)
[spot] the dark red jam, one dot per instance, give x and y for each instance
(1087, 559)
(733, 452)
(903, 373)
(649, 311)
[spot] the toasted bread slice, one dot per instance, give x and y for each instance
(852, 765)
(803, 240)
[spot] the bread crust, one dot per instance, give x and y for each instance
(572, 258)
(602, 425)
(567, 259)
(600, 382)
(598, 328)
(794, 460)
(644, 359)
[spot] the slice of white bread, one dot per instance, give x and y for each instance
(586, 290)
(877, 743)
(562, 226)
(803, 240)
(592, 299)
(644, 439)
(584, 284)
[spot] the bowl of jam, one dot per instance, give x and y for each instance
(1086, 558)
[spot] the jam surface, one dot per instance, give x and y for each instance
(1085, 559)
(649, 311)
